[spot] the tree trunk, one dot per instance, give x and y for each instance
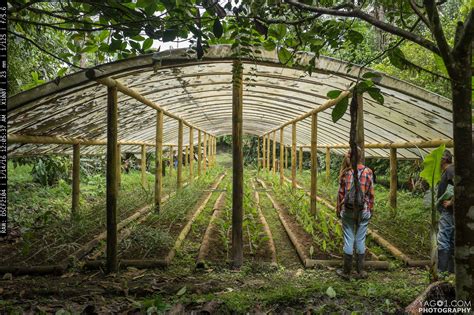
(464, 183)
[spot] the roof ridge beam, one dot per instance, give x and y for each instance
(394, 145)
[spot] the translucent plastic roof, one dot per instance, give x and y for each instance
(201, 93)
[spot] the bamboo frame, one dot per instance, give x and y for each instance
(396, 145)
(191, 154)
(186, 155)
(268, 152)
(143, 166)
(171, 156)
(112, 180)
(393, 178)
(204, 153)
(179, 177)
(282, 156)
(314, 163)
(300, 164)
(274, 153)
(293, 155)
(76, 179)
(119, 168)
(264, 152)
(258, 155)
(199, 151)
(328, 164)
(159, 161)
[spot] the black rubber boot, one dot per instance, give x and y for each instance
(345, 272)
(361, 274)
(443, 258)
(451, 261)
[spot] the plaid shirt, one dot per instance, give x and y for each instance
(366, 184)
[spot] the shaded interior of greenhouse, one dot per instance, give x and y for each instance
(172, 101)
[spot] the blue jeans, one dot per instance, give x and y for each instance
(351, 236)
(446, 231)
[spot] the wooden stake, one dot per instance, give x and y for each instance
(143, 166)
(112, 180)
(191, 154)
(204, 153)
(179, 178)
(328, 164)
(286, 157)
(159, 160)
(199, 153)
(314, 162)
(293, 155)
(301, 160)
(209, 149)
(76, 178)
(264, 151)
(237, 166)
(171, 156)
(274, 153)
(393, 178)
(282, 156)
(268, 153)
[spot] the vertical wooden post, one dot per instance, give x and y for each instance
(258, 155)
(199, 153)
(237, 166)
(143, 166)
(179, 178)
(286, 157)
(301, 160)
(76, 178)
(264, 152)
(314, 162)
(191, 154)
(268, 153)
(282, 156)
(393, 178)
(159, 160)
(119, 167)
(360, 137)
(204, 153)
(186, 155)
(112, 180)
(274, 153)
(209, 149)
(328, 164)
(171, 159)
(293, 155)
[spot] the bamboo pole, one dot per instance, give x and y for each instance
(179, 179)
(204, 153)
(76, 179)
(393, 178)
(282, 156)
(286, 157)
(301, 160)
(258, 156)
(143, 166)
(328, 164)
(264, 151)
(199, 151)
(186, 155)
(111, 179)
(293, 155)
(209, 149)
(119, 167)
(274, 153)
(268, 153)
(360, 136)
(171, 156)
(314, 163)
(237, 166)
(191, 154)
(159, 160)
(397, 145)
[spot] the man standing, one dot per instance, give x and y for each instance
(355, 219)
(446, 220)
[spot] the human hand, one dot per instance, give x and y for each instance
(447, 203)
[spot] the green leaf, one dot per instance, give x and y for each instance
(331, 292)
(370, 75)
(277, 30)
(397, 58)
(355, 37)
(269, 45)
(181, 291)
(147, 43)
(115, 45)
(138, 38)
(432, 166)
(376, 95)
(61, 72)
(284, 55)
(333, 94)
(169, 35)
(217, 28)
(340, 108)
(103, 35)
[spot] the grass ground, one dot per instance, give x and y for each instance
(257, 287)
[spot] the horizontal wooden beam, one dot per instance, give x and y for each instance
(329, 103)
(394, 145)
(16, 138)
(109, 82)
